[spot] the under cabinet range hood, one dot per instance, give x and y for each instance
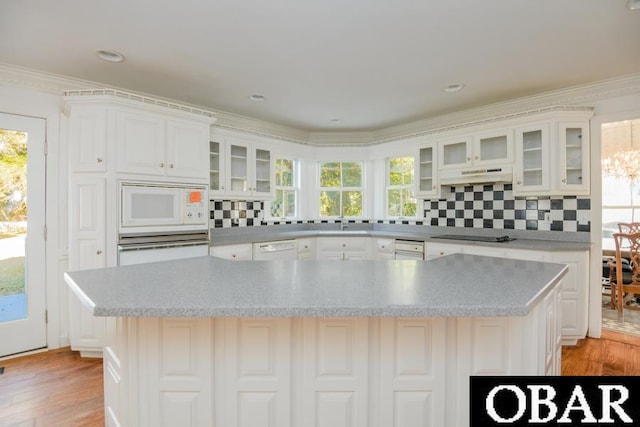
(476, 175)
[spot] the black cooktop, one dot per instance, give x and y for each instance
(474, 238)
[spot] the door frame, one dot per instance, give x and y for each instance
(35, 244)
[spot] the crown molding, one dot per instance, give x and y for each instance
(571, 98)
(562, 99)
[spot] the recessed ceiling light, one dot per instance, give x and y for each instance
(257, 98)
(110, 55)
(454, 88)
(633, 4)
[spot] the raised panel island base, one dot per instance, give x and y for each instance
(209, 342)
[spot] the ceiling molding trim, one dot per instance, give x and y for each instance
(258, 127)
(128, 96)
(26, 78)
(573, 96)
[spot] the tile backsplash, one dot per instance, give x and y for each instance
(471, 206)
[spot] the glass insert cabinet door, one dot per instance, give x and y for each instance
(574, 155)
(426, 171)
(532, 158)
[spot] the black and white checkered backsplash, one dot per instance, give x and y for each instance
(493, 206)
(477, 206)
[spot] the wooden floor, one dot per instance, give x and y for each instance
(59, 388)
(56, 388)
(613, 354)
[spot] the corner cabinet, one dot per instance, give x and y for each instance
(552, 158)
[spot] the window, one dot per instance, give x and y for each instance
(285, 203)
(401, 199)
(341, 189)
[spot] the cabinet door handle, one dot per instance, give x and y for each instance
(171, 165)
(468, 158)
(99, 159)
(564, 180)
(476, 157)
(233, 255)
(433, 188)
(99, 252)
(161, 164)
(519, 182)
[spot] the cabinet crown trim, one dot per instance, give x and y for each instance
(141, 98)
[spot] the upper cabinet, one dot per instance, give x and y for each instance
(153, 144)
(532, 171)
(552, 158)
(486, 149)
(240, 169)
(426, 171)
(88, 139)
(573, 157)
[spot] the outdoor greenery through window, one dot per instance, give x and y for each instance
(13, 211)
(284, 205)
(401, 199)
(341, 189)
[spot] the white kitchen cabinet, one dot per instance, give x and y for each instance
(532, 172)
(575, 291)
(306, 249)
(494, 148)
(426, 171)
(216, 168)
(552, 158)
(382, 248)
(573, 158)
(88, 138)
(249, 171)
(342, 248)
(87, 250)
(436, 250)
(153, 144)
(239, 252)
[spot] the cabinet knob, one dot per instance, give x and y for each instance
(476, 157)
(564, 180)
(343, 245)
(99, 252)
(161, 164)
(519, 182)
(433, 188)
(99, 159)
(222, 187)
(233, 255)
(468, 158)
(171, 165)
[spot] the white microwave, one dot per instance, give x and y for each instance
(162, 207)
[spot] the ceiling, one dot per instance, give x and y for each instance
(327, 65)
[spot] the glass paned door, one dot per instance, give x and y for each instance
(22, 213)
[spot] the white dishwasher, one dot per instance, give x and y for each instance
(283, 249)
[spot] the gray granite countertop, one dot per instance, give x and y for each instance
(457, 285)
(541, 241)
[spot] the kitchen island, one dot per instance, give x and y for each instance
(205, 341)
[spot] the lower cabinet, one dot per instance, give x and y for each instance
(342, 248)
(306, 249)
(575, 285)
(240, 252)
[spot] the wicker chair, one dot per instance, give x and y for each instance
(629, 227)
(623, 291)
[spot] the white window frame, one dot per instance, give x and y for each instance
(295, 188)
(361, 189)
(388, 186)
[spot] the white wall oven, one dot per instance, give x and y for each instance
(161, 221)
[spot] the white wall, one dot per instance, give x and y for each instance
(47, 106)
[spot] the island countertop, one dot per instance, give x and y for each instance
(456, 285)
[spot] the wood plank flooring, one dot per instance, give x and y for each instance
(56, 388)
(59, 388)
